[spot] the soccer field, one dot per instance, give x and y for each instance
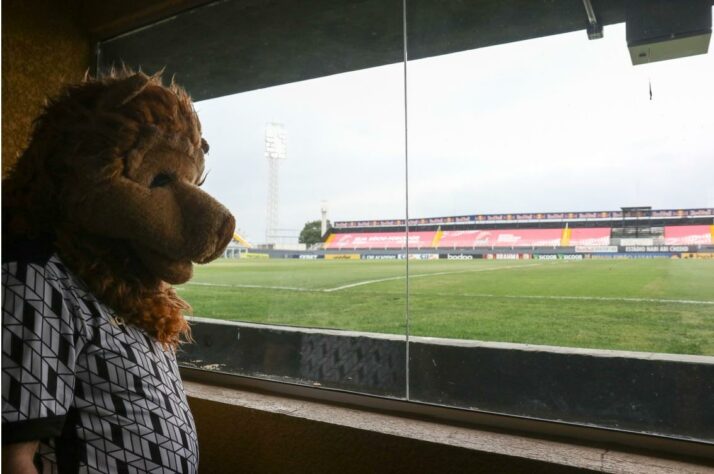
(640, 305)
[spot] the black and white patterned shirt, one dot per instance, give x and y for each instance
(101, 397)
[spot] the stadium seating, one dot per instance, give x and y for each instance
(689, 235)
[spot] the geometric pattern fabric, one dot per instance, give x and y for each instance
(101, 396)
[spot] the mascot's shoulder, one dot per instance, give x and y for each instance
(32, 272)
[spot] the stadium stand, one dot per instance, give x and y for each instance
(599, 231)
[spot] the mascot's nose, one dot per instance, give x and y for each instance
(227, 229)
(224, 236)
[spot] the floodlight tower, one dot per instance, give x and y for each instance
(323, 212)
(275, 150)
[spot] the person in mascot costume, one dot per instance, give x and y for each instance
(102, 213)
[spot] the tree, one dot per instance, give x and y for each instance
(310, 234)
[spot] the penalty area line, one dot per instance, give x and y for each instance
(422, 275)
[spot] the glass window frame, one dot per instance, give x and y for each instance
(449, 414)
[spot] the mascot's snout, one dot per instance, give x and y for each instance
(111, 182)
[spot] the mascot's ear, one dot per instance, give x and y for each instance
(124, 90)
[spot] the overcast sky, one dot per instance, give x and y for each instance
(554, 124)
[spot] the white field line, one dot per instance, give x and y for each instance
(352, 285)
(474, 295)
(582, 298)
(421, 275)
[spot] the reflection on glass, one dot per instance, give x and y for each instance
(279, 158)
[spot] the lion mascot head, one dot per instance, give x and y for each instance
(110, 181)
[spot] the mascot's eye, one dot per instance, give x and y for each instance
(161, 179)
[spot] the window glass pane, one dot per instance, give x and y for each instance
(569, 197)
(314, 133)
(540, 163)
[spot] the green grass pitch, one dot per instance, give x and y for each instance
(637, 305)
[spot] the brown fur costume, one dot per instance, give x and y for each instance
(110, 181)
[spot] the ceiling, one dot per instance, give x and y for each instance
(226, 47)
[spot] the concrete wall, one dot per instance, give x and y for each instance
(238, 439)
(668, 394)
(43, 47)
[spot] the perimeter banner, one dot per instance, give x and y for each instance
(507, 256)
(423, 256)
(254, 255)
(560, 256)
(392, 256)
(699, 256)
(596, 248)
(342, 256)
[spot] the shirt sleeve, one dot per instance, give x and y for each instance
(39, 350)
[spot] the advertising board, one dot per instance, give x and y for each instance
(507, 256)
(423, 256)
(657, 248)
(596, 249)
(636, 242)
(381, 256)
(699, 256)
(457, 256)
(633, 255)
(560, 256)
(253, 255)
(342, 256)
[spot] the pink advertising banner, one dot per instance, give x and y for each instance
(380, 240)
(688, 235)
(501, 238)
